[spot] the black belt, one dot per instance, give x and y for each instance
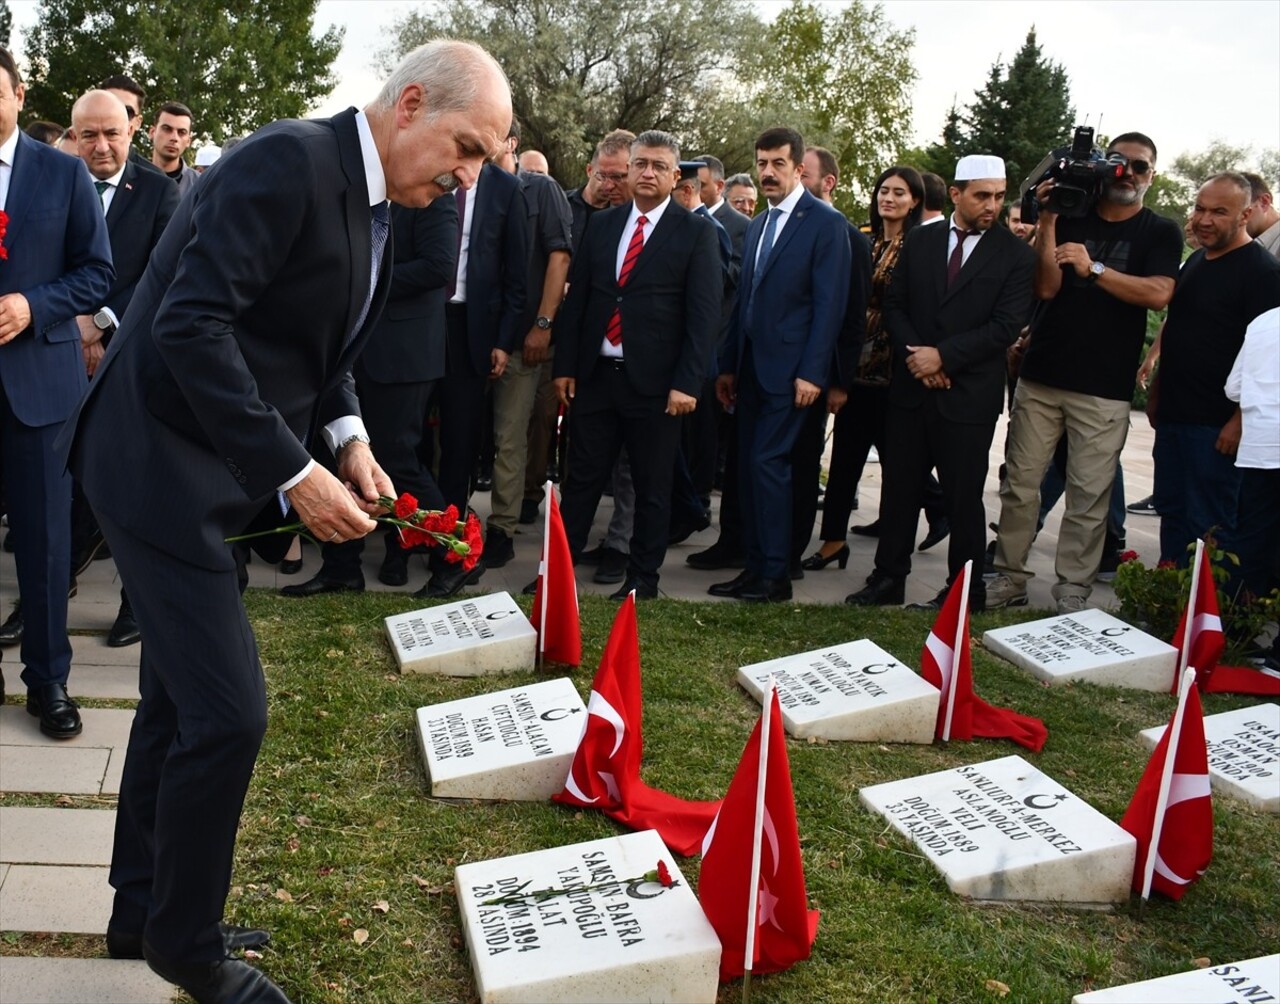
(613, 361)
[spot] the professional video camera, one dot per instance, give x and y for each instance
(1079, 172)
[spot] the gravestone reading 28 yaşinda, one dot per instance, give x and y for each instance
(515, 744)
(1091, 647)
(475, 636)
(1002, 830)
(852, 691)
(614, 936)
(1244, 753)
(1254, 981)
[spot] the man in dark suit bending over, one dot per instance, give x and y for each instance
(632, 345)
(958, 299)
(233, 360)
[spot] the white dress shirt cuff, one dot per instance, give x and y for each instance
(297, 477)
(335, 434)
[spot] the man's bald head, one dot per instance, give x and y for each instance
(100, 126)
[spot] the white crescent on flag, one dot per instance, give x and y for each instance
(601, 708)
(943, 654)
(771, 832)
(711, 833)
(1183, 787)
(571, 786)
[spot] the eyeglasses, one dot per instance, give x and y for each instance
(1140, 167)
(604, 176)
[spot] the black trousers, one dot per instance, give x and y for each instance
(192, 748)
(608, 414)
(919, 439)
(460, 401)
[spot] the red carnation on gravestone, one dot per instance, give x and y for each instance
(664, 875)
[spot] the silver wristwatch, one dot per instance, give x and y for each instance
(355, 438)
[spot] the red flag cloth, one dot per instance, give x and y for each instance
(560, 638)
(971, 716)
(785, 926)
(1186, 836)
(1207, 643)
(605, 773)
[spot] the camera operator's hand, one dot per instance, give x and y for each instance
(1075, 256)
(1043, 189)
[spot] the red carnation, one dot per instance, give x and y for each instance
(406, 505)
(4, 226)
(1128, 556)
(664, 875)
(445, 522)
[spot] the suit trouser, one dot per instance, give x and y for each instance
(38, 497)
(806, 473)
(392, 415)
(918, 440)
(702, 440)
(608, 414)
(514, 397)
(1096, 429)
(461, 401)
(768, 426)
(192, 748)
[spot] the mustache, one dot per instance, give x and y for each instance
(447, 182)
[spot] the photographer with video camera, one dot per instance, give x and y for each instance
(1102, 261)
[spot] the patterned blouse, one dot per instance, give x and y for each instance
(876, 361)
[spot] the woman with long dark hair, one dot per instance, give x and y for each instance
(897, 202)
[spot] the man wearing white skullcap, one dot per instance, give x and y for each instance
(959, 296)
(207, 156)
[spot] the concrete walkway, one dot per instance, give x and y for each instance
(53, 860)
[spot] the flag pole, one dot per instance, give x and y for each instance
(542, 574)
(1185, 654)
(961, 627)
(1166, 780)
(757, 834)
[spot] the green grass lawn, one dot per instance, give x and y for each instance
(340, 836)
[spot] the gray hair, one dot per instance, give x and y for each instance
(449, 70)
(745, 180)
(657, 138)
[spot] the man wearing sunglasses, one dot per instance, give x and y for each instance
(1100, 274)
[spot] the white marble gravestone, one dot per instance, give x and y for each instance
(1254, 981)
(852, 691)
(514, 744)
(1002, 830)
(1090, 647)
(472, 637)
(621, 940)
(1244, 753)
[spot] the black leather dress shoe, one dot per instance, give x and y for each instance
(498, 549)
(290, 566)
(880, 591)
(11, 629)
(612, 568)
(866, 530)
(766, 591)
(394, 570)
(977, 602)
(938, 532)
(125, 630)
(319, 585)
(733, 588)
(528, 512)
(715, 557)
(449, 580)
(225, 982)
(59, 715)
(128, 945)
(644, 590)
(592, 556)
(530, 589)
(685, 528)
(84, 555)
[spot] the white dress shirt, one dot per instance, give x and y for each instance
(785, 208)
(109, 193)
(653, 215)
(970, 242)
(7, 151)
(464, 249)
(1254, 382)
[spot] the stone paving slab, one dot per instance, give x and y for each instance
(57, 898)
(4, 870)
(103, 682)
(115, 770)
(67, 771)
(86, 981)
(93, 650)
(56, 836)
(103, 727)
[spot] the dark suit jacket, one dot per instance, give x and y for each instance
(800, 301)
(407, 344)
(140, 209)
(670, 305)
(971, 324)
(59, 258)
(235, 350)
(735, 224)
(854, 329)
(497, 260)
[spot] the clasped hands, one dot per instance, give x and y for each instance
(925, 364)
(339, 508)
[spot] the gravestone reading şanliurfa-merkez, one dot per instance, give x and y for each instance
(1253, 981)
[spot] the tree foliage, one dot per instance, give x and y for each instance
(6, 23)
(237, 63)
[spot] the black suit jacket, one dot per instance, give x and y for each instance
(407, 344)
(497, 260)
(237, 347)
(971, 324)
(140, 209)
(854, 330)
(670, 305)
(735, 223)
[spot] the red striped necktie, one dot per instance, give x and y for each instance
(634, 247)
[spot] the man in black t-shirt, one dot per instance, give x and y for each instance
(1223, 286)
(1101, 274)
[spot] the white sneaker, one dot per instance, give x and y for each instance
(1002, 591)
(1069, 604)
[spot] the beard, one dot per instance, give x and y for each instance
(1124, 197)
(447, 182)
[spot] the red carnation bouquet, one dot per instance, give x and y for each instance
(4, 228)
(462, 540)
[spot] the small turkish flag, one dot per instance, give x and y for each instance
(555, 603)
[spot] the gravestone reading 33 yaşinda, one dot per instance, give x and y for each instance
(1244, 753)
(475, 636)
(1254, 981)
(515, 744)
(1002, 830)
(1090, 647)
(613, 937)
(852, 691)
